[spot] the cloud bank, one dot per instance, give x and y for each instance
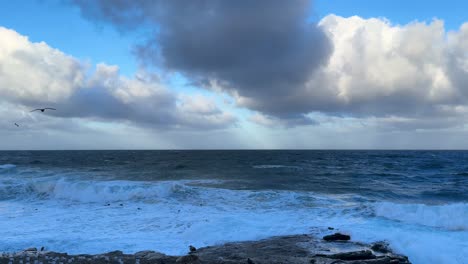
(35, 75)
(262, 52)
(268, 55)
(274, 60)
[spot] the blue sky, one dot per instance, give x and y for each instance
(453, 12)
(61, 26)
(383, 83)
(44, 21)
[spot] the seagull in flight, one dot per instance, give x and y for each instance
(43, 109)
(16, 125)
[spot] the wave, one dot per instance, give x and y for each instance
(448, 216)
(93, 191)
(7, 166)
(185, 191)
(189, 211)
(268, 166)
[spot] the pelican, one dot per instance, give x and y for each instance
(43, 109)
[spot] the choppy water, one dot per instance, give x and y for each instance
(96, 201)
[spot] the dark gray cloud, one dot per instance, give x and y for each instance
(264, 51)
(142, 101)
(272, 59)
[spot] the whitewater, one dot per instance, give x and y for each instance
(94, 202)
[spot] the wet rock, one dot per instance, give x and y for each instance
(360, 257)
(192, 249)
(381, 247)
(155, 256)
(143, 254)
(188, 259)
(297, 249)
(356, 255)
(33, 249)
(115, 253)
(337, 237)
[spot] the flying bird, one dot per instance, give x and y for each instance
(43, 109)
(16, 125)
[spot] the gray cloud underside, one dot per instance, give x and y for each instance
(262, 50)
(34, 75)
(272, 59)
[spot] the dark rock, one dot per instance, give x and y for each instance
(387, 260)
(361, 257)
(356, 255)
(337, 236)
(115, 253)
(381, 247)
(296, 249)
(31, 249)
(144, 254)
(157, 257)
(188, 259)
(331, 228)
(192, 249)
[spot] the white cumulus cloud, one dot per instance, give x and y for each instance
(37, 75)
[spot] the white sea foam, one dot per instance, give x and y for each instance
(107, 191)
(181, 215)
(447, 216)
(167, 216)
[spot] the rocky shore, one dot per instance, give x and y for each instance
(300, 249)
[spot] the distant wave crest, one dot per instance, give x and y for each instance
(449, 216)
(268, 166)
(7, 166)
(108, 191)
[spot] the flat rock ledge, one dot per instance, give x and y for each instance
(300, 249)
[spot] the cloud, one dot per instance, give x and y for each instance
(273, 122)
(273, 60)
(414, 72)
(34, 75)
(380, 69)
(261, 51)
(35, 71)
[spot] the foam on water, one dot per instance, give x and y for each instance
(171, 216)
(449, 216)
(108, 191)
(71, 214)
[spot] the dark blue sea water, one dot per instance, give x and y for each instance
(96, 201)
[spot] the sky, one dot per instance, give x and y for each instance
(207, 74)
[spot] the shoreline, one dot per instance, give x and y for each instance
(300, 249)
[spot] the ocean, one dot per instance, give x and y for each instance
(99, 201)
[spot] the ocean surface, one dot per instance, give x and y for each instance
(99, 201)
